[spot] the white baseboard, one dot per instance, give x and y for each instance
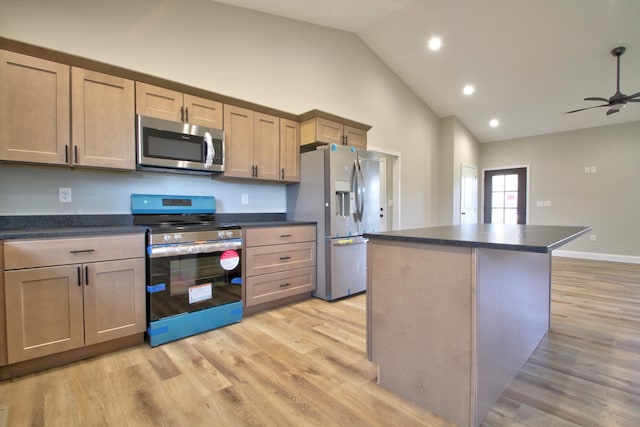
(597, 257)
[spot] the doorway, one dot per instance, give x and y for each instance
(505, 196)
(468, 195)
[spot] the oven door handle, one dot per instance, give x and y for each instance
(158, 251)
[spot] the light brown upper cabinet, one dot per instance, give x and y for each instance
(162, 103)
(36, 108)
(322, 130)
(103, 125)
(289, 150)
(260, 146)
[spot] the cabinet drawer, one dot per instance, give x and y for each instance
(274, 286)
(270, 259)
(46, 252)
(275, 235)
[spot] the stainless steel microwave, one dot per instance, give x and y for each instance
(172, 145)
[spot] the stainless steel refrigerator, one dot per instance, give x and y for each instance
(339, 189)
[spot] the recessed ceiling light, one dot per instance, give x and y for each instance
(435, 43)
(468, 90)
(494, 123)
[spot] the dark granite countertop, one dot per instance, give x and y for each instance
(45, 233)
(51, 226)
(528, 238)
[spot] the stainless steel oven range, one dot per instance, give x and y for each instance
(194, 264)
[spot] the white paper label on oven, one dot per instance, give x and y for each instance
(229, 260)
(200, 293)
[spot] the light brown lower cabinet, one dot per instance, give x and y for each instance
(279, 263)
(95, 294)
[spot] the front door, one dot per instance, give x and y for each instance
(505, 196)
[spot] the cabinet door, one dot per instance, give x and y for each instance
(114, 299)
(34, 109)
(289, 150)
(329, 131)
(203, 112)
(266, 146)
(356, 137)
(103, 127)
(155, 101)
(44, 306)
(238, 134)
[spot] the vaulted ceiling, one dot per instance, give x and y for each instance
(529, 61)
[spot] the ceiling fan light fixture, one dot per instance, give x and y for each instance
(435, 43)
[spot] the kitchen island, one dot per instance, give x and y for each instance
(454, 312)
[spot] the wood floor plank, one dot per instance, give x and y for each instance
(305, 364)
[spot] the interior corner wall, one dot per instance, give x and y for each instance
(260, 58)
(457, 147)
(445, 174)
(562, 173)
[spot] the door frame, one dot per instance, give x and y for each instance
(528, 187)
(477, 187)
(393, 163)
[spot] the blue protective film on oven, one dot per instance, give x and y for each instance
(156, 288)
(187, 324)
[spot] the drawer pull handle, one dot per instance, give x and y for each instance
(80, 251)
(284, 285)
(285, 235)
(282, 258)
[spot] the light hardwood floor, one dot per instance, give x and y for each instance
(305, 364)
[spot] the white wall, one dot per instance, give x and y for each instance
(608, 200)
(457, 147)
(260, 58)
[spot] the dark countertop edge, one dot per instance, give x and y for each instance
(45, 233)
(479, 244)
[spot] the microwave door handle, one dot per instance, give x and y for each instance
(210, 150)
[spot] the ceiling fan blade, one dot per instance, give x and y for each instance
(612, 111)
(635, 95)
(588, 108)
(633, 100)
(595, 98)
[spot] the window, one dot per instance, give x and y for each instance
(505, 196)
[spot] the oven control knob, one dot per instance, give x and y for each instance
(177, 237)
(220, 234)
(166, 238)
(229, 234)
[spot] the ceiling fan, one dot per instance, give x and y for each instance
(618, 100)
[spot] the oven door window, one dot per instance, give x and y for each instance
(186, 283)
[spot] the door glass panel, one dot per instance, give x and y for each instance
(497, 183)
(511, 199)
(511, 182)
(510, 216)
(497, 199)
(497, 216)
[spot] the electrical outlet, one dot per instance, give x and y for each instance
(64, 195)
(594, 169)
(592, 237)
(245, 198)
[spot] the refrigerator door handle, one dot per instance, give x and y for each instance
(361, 189)
(355, 186)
